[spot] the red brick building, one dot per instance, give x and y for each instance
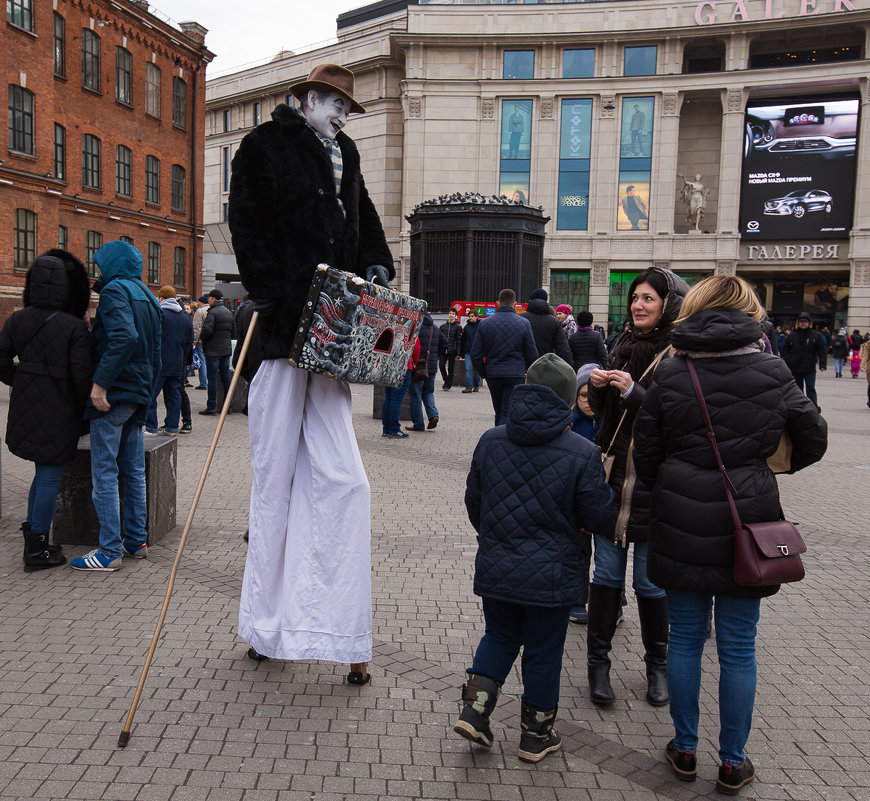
(105, 138)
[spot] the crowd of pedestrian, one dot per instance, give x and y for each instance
(547, 505)
(69, 378)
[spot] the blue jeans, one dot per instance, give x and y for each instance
(42, 497)
(203, 370)
(736, 621)
(391, 411)
(611, 561)
(540, 631)
(808, 379)
(422, 394)
(117, 448)
(500, 391)
(472, 377)
(218, 368)
(838, 366)
(171, 387)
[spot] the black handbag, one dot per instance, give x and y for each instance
(764, 553)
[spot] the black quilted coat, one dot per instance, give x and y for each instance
(285, 219)
(751, 398)
(51, 381)
(532, 485)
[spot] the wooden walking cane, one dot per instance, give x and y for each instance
(124, 737)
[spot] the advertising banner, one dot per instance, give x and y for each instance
(799, 169)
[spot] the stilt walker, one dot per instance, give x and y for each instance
(297, 199)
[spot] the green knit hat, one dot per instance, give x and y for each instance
(554, 372)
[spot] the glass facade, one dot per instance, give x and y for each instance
(152, 90)
(59, 37)
(91, 173)
(571, 287)
(93, 242)
(178, 272)
(90, 60)
(153, 262)
(639, 61)
(516, 149)
(635, 163)
(578, 63)
(575, 149)
(123, 76)
(179, 103)
(518, 64)
(124, 171)
(20, 120)
(24, 234)
(152, 179)
(177, 195)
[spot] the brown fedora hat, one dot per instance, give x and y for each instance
(329, 78)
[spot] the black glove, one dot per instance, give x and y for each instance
(378, 274)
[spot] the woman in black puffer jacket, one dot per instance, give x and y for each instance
(50, 386)
(654, 299)
(751, 398)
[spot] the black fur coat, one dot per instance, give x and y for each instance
(285, 219)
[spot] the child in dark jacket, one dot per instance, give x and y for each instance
(532, 486)
(586, 424)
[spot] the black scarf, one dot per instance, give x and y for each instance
(633, 353)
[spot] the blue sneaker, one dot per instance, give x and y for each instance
(579, 615)
(135, 551)
(95, 561)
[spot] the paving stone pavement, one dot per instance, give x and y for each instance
(214, 725)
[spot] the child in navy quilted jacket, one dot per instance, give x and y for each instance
(532, 486)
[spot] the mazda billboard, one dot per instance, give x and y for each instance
(799, 168)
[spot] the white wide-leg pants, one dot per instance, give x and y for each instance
(306, 592)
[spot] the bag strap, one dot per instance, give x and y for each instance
(652, 365)
(711, 437)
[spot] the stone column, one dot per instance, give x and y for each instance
(665, 164)
(731, 159)
(604, 178)
(599, 291)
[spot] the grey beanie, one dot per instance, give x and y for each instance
(538, 294)
(554, 372)
(584, 372)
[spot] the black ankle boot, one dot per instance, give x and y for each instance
(479, 697)
(539, 738)
(25, 530)
(604, 608)
(653, 613)
(37, 555)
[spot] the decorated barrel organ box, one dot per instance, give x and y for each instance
(355, 330)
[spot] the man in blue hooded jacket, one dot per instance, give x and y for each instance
(126, 339)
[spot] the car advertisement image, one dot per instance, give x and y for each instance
(798, 168)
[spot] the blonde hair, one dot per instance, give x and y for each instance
(721, 292)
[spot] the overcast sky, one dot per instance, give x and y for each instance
(255, 30)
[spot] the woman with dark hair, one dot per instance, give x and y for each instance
(615, 395)
(50, 385)
(751, 399)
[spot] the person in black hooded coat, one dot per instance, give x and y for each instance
(50, 387)
(751, 398)
(615, 395)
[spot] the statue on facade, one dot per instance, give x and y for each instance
(694, 196)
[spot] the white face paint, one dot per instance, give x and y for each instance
(327, 116)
